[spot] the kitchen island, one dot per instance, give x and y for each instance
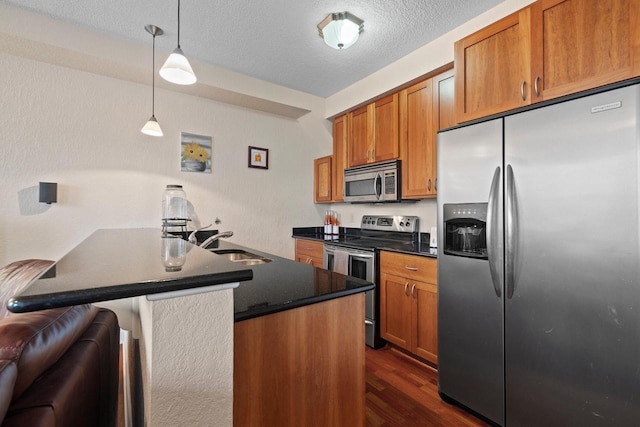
(299, 346)
(299, 330)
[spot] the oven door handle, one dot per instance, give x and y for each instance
(493, 244)
(360, 256)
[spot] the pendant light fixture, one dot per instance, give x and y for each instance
(152, 127)
(177, 69)
(340, 30)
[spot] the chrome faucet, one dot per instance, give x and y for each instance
(210, 240)
(192, 237)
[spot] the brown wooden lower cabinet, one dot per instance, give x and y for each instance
(301, 367)
(309, 252)
(409, 303)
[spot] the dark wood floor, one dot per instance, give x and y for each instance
(403, 392)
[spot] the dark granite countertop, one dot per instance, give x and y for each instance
(123, 263)
(284, 284)
(348, 237)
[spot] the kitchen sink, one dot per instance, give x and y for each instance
(244, 257)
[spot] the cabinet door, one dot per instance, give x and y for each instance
(322, 180)
(418, 141)
(585, 44)
(340, 132)
(359, 136)
(425, 320)
(493, 68)
(309, 249)
(443, 101)
(385, 129)
(395, 310)
(443, 114)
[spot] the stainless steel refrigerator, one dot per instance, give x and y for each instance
(539, 264)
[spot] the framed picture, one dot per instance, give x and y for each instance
(195, 153)
(258, 158)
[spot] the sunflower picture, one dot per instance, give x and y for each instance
(196, 153)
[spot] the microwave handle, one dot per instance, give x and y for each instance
(376, 180)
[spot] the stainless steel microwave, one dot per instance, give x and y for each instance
(373, 183)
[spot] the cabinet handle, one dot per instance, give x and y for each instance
(535, 85)
(435, 185)
(406, 287)
(524, 83)
(413, 288)
(411, 268)
(429, 184)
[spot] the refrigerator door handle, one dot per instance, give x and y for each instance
(511, 232)
(492, 231)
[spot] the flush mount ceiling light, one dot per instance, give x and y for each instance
(152, 127)
(177, 68)
(340, 30)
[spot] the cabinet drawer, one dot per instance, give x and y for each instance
(410, 266)
(309, 248)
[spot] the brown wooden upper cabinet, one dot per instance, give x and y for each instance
(493, 67)
(425, 108)
(546, 50)
(444, 100)
(584, 44)
(322, 180)
(339, 163)
(418, 141)
(373, 132)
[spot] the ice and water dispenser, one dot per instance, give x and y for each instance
(465, 229)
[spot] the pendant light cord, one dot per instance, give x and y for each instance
(178, 24)
(153, 78)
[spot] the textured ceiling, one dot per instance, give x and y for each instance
(273, 40)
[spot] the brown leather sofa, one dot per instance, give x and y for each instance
(58, 367)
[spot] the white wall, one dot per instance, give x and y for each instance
(82, 131)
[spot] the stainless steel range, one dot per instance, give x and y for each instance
(356, 254)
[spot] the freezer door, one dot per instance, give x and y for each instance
(470, 307)
(572, 275)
